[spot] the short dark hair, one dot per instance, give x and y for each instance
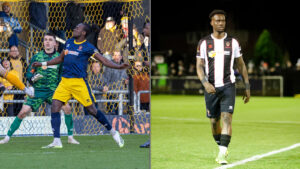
(217, 11)
(87, 28)
(50, 34)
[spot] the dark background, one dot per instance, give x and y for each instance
(178, 26)
(171, 21)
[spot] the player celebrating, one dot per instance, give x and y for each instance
(74, 84)
(216, 54)
(44, 81)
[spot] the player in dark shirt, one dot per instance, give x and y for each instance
(74, 83)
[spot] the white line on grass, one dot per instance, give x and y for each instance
(238, 121)
(257, 157)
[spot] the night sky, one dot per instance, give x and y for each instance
(170, 22)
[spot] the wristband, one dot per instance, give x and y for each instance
(247, 86)
(44, 63)
(203, 80)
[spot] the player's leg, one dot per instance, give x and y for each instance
(16, 81)
(213, 112)
(69, 123)
(83, 94)
(227, 107)
(16, 123)
(216, 129)
(103, 120)
(55, 124)
(61, 96)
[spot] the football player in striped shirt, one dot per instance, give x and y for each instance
(216, 55)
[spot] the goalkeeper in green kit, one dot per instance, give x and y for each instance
(44, 80)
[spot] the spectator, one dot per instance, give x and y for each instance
(250, 67)
(114, 79)
(276, 70)
(96, 84)
(172, 69)
(8, 86)
(38, 14)
(123, 45)
(181, 69)
(192, 69)
(93, 36)
(11, 24)
(108, 37)
(17, 63)
(141, 82)
(146, 46)
(298, 65)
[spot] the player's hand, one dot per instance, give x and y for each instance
(36, 77)
(246, 96)
(36, 64)
(209, 88)
(124, 66)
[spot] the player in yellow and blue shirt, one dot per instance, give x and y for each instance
(74, 81)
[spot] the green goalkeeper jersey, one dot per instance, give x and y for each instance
(51, 74)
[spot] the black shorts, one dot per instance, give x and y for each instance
(221, 101)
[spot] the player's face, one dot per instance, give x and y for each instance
(218, 22)
(49, 42)
(78, 30)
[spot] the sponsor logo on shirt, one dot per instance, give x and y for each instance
(73, 53)
(52, 67)
(212, 54)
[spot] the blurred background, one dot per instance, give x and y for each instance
(267, 33)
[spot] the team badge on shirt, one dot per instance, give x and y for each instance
(227, 44)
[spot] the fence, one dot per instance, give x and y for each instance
(261, 86)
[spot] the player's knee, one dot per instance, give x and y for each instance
(92, 110)
(67, 109)
(23, 114)
(56, 106)
(227, 118)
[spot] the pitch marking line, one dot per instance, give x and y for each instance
(238, 121)
(257, 157)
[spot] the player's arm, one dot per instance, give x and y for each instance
(30, 70)
(243, 71)
(54, 61)
(109, 63)
(200, 72)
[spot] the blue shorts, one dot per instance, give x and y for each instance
(221, 101)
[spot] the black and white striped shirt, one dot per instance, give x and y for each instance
(219, 55)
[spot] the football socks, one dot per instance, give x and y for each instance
(55, 123)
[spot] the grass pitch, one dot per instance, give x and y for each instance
(94, 152)
(181, 136)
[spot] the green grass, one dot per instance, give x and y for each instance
(99, 152)
(181, 136)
